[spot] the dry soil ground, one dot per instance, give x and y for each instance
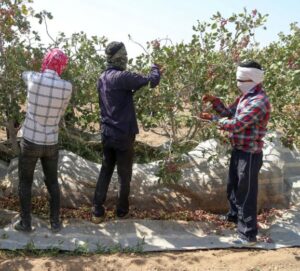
(287, 259)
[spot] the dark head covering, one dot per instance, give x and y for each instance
(250, 64)
(116, 55)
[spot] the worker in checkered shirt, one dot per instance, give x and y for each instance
(48, 96)
(246, 121)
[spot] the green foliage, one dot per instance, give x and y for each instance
(16, 55)
(208, 64)
(282, 82)
(4, 236)
(79, 143)
(170, 170)
(85, 65)
(30, 247)
(81, 248)
(118, 248)
(205, 64)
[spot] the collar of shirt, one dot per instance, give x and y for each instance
(51, 72)
(257, 88)
(113, 68)
(254, 90)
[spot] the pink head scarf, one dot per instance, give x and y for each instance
(55, 60)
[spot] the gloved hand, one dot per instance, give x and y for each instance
(208, 98)
(160, 67)
(206, 116)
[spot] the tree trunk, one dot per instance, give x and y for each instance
(12, 136)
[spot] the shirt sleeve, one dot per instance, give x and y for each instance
(134, 81)
(66, 102)
(26, 76)
(252, 113)
(224, 111)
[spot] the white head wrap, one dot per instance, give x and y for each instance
(256, 75)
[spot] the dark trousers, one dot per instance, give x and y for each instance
(242, 188)
(115, 152)
(28, 157)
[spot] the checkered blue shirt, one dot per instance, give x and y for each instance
(47, 99)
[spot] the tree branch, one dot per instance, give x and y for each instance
(46, 25)
(130, 38)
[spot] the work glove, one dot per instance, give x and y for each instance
(208, 98)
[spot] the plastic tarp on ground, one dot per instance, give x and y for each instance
(146, 235)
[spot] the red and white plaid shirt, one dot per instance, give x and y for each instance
(246, 119)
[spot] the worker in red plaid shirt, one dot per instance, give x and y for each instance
(246, 121)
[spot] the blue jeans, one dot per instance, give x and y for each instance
(29, 154)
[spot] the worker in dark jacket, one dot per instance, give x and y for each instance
(116, 87)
